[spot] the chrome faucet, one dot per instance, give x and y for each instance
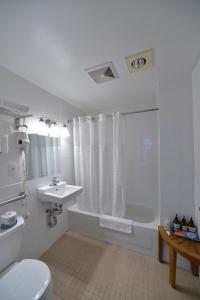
(54, 181)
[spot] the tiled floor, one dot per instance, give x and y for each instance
(86, 269)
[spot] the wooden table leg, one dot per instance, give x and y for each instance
(195, 269)
(172, 266)
(160, 248)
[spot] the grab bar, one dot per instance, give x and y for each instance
(19, 197)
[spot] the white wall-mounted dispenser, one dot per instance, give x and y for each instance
(22, 139)
(23, 142)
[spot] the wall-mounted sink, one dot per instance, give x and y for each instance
(59, 193)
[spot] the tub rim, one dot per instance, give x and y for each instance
(151, 225)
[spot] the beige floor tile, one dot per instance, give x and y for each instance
(86, 269)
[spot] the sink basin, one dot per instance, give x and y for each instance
(59, 193)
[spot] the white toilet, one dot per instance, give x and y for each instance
(29, 279)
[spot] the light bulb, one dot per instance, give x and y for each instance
(37, 127)
(54, 131)
(64, 131)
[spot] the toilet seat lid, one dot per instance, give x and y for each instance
(28, 279)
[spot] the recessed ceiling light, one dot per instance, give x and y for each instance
(140, 61)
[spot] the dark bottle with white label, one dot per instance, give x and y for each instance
(176, 223)
(191, 226)
(184, 225)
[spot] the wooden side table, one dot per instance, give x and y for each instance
(185, 247)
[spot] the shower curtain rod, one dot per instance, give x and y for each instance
(128, 113)
(140, 111)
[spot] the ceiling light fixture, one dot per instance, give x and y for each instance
(49, 127)
(64, 131)
(139, 62)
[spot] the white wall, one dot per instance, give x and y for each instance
(142, 159)
(38, 236)
(176, 148)
(196, 110)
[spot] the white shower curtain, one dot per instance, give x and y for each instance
(99, 168)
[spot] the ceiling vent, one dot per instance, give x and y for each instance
(103, 73)
(140, 61)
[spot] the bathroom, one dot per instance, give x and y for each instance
(147, 121)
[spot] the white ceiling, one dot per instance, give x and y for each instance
(51, 43)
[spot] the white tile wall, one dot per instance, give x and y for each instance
(142, 159)
(38, 236)
(176, 148)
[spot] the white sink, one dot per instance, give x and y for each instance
(59, 193)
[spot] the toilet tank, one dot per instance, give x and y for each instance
(10, 243)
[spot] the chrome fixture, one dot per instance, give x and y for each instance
(54, 181)
(41, 119)
(53, 125)
(17, 198)
(18, 124)
(51, 219)
(49, 122)
(58, 209)
(124, 114)
(52, 214)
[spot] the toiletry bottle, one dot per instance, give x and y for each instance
(176, 223)
(184, 225)
(191, 226)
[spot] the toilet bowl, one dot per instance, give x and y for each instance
(29, 279)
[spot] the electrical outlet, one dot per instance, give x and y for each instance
(12, 169)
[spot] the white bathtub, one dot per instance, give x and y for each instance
(144, 236)
(141, 214)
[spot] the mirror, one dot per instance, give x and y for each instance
(44, 156)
